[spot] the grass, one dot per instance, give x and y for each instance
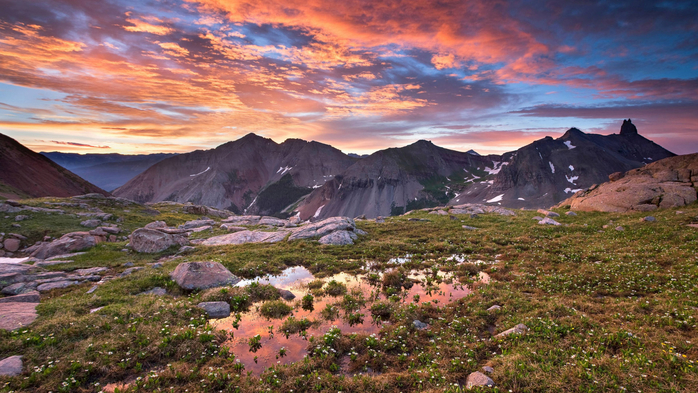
(607, 311)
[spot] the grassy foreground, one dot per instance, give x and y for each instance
(607, 311)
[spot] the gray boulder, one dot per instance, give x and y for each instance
(29, 297)
(338, 238)
(518, 329)
(273, 221)
(66, 244)
(91, 223)
(152, 240)
(322, 228)
(232, 228)
(216, 309)
(49, 286)
(548, 221)
(157, 291)
(19, 288)
(10, 367)
(197, 224)
(548, 213)
(478, 379)
(286, 294)
(243, 220)
(419, 325)
(203, 275)
(12, 245)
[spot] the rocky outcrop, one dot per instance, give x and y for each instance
(202, 275)
(156, 238)
(66, 244)
(338, 238)
(322, 228)
(15, 315)
(667, 183)
(243, 237)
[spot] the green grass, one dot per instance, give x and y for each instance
(607, 311)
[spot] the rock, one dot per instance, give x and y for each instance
(91, 223)
(130, 271)
(419, 325)
(216, 309)
(14, 315)
(156, 225)
(616, 176)
(111, 230)
(571, 213)
(322, 228)
(548, 213)
(94, 310)
(470, 228)
(488, 369)
(548, 221)
(273, 221)
(90, 271)
(205, 211)
(620, 229)
(10, 367)
(201, 229)
(66, 244)
(494, 308)
(157, 291)
(28, 297)
(186, 249)
(10, 278)
(203, 275)
(232, 228)
(478, 379)
(49, 286)
(648, 219)
(246, 237)
(11, 245)
(518, 329)
(21, 217)
(156, 265)
(537, 218)
(418, 219)
(128, 264)
(19, 288)
(286, 294)
(151, 241)
(243, 220)
(338, 238)
(197, 224)
(380, 220)
(94, 288)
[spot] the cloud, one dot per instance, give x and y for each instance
(76, 144)
(145, 27)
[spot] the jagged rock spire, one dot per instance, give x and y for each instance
(628, 128)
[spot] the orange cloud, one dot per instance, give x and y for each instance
(145, 27)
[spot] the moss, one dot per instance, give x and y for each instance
(275, 309)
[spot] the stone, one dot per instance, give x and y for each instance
(19, 288)
(286, 294)
(157, 291)
(186, 249)
(49, 286)
(648, 219)
(197, 224)
(620, 229)
(246, 237)
(156, 225)
(94, 288)
(488, 369)
(21, 217)
(548, 213)
(518, 329)
(66, 244)
(571, 213)
(130, 271)
(322, 228)
(380, 220)
(478, 379)
(12, 245)
(128, 264)
(469, 228)
(203, 275)
(494, 308)
(243, 220)
(10, 278)
(156, 265)
(616, 176)
(12, 366)
(216, 309)
(152, 241)
(201, 229)
(273, 221)
(548, 221)
(537, 218)
(15, 315)
(91, 223)
(28, 297)
(91, 271)
(232, 228)
(338, 238)
(419, 325)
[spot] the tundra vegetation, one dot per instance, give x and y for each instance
(606, 310)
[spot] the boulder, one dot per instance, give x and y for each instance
(91, 271)
(246, 237)
(322, 228)
(197, 224)
(19, 288)
(232, 228)
(10, 367)
(152, 240)
(419, 325)
(11, 245)
(571, 213)
(494, 308)
(478, 379)
(157, 291)
(518, 329)
(203, 275)
(648, 219)
(15, 315)
(548, 213)
(273, 221)
(66, 244)
(338, 238)
(91, 223)
(286, 294)
(29, 297)
(216, 309)
(156, 225)
(469, 228)
(548, 221)
(243, 220)
(130, 271)
(49, 286)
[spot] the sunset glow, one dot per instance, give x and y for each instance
(174, 76)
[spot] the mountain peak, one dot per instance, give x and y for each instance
(628, 128)
(572, 131)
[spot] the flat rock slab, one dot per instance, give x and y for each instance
(518, 329)
(203, 275)
(152, 240)
(29, 297)
(91, 271)
(49, 286)
(15, 315)
(157, 291)
(322, 228)
(11, 366)
(216, 309)
(243, 237)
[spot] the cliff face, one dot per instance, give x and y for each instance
(25, 173)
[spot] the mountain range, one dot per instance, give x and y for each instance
(314, 180)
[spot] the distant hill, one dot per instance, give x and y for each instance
(108, 171)
(252, 174)
(28, 174)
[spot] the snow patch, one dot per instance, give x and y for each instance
(569, 145)
(284, 169)
(571, 168)
(572, 179)
(521, 199)
(318, 211)
(496, 199)
(568, 190)
(552, 167)
(200, 173)
(497, 166)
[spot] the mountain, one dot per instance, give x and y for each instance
(108, 171)
(537, 175)
(394, 180)
(28, 174)
(252, 174)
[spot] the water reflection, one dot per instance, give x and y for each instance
(277, 348)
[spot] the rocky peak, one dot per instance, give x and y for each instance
(628, 128)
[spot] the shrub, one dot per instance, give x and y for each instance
(275, 309)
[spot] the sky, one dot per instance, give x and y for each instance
(149, 76)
